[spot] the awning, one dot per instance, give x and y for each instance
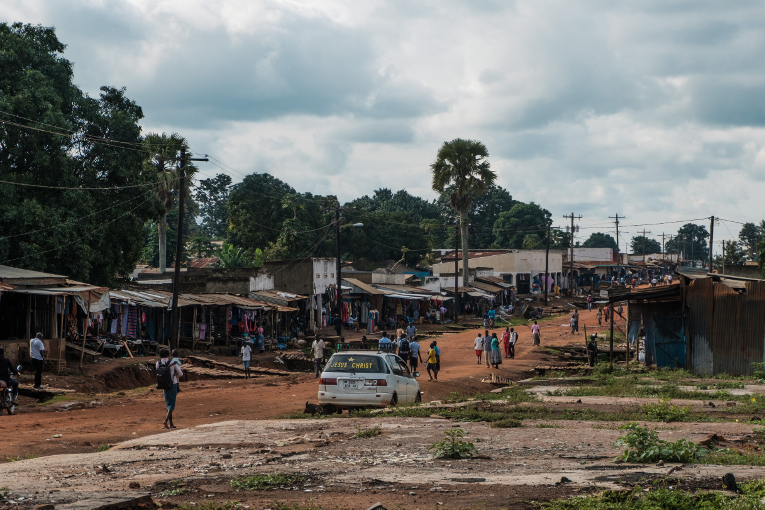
(368, 289)
(98, 296)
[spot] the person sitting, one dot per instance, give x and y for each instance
(353, 324)
(6, 371)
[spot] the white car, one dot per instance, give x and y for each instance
(359, 379)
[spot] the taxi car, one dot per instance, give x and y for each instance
(360, 379)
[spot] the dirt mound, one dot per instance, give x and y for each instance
(128, 377)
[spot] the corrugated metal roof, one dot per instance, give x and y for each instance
(487, 287)
(364, 287)
(496, 280)
(161, 299)
(18, 273)
(285, 296)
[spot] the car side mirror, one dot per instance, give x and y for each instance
(417, 374)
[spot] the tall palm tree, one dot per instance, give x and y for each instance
(463, 164)
(161, 147)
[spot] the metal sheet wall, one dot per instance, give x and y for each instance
(727, 329)
(700, 303)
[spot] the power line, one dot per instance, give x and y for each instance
(113, 188)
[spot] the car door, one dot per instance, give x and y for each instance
(401, 381)
(411, 389)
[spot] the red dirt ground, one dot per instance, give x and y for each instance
(128, 414)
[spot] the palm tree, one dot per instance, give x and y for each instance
(463, 164)
(163, 147)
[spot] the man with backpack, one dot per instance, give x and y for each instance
(404, 352)
(168, 374)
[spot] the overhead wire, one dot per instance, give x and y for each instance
(80, 239)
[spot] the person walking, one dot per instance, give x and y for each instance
(513, 341)
(576, 321)
(535, 333)
(592, 350)
(318, 353)
(573, 325)
(600, 316)
(496, 354)
(485, 321)
(478, 343)
(246, 354)
(438, 356)
(506, 342)
(411, 332)
(414, 355)
(404, 352)
(487, 347)
(432, 367)
(36, 349)
(168, 374)
(589, 302)
(492, 316)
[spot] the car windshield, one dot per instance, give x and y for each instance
(359, 364)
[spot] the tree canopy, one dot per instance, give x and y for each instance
(691, 241)
(641, 245)
(62, 226)
(600, 240)
(512, 227)
(211, 195)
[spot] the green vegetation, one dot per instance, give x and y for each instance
(370, 432)
(453, 447)
(665, 411)
(28, 456)
(749, 496)
(506, 423)
(263, 482)
(643, 445)
(102, 448)
(4, 491)
(173, 492)
(548, 426)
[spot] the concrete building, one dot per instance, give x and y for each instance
(308, 276)
(517, 267)
(208, 280)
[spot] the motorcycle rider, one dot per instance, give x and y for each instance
(6, 370)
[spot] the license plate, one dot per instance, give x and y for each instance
(349, 384)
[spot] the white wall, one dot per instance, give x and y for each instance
(261, 282)
(593, 254)
(391, 279)
(324, 273)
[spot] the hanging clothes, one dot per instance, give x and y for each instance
(132, 322)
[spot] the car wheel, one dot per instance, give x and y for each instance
(394, 400)
(418, 398)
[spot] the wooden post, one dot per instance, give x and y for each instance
(193, 330)
(227, 322)
(627, 333)
(29, 316)
(85, 332)
(611, 341)
(62, 334)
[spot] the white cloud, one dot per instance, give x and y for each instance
(655, 110)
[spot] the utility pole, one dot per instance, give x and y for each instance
(456, 273)
(547, 260)
(711, 240)
(571, 258)
(338, 280)
(663, 256)
(723, 258)
(176, 316)
(618, 259)
(644, 266)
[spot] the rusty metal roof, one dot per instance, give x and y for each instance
(364, 287)
(162, 299)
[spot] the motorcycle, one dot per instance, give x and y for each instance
(5, 398)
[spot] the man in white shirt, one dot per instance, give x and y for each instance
(318, 353)
(411, 331)
(478, 347)
(36, 348)
(246, 354)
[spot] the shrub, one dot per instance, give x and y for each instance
(263, 482)
(370, 432)
(643, 445)
(758, 370)
(665, 411)
(452, 447)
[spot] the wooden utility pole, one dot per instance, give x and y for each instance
(338, 280)
(618, 259)
(571, 257)
(611, 341)
(84, 332)
(547, 262)
(723, 258)
(176, 315)
(456, 273)
(711, 241)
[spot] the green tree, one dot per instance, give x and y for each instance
(600, 240)
(512, 227)
(749, 236)
(201, 246)
(384, 236)
(211, 195)
(691, 241)
(484, 213)
(463, 164)
(761, 257)
(641, 245)
(84, 142)
(256, 211)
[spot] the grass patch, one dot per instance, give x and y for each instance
(632, 387)
(728, 457)
(452, 447)
(506, 423)
(102, 448)
(749, 497)
(548, 426)
(370, 432)
(4, 492)
(58, 399)
(264, 482)
(720, 385)
(28, 456)
(173, 492)
(643, 445)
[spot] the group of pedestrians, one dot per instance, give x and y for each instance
(488, 347)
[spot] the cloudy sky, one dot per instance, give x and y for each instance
(649, 109)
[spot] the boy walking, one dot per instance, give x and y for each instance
(478, 343)
(246, 354)
(318, 353)
(535, 333)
